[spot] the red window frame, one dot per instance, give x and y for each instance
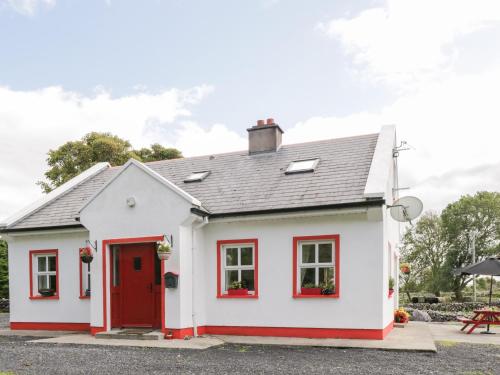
(336, 239)
(255, 243)
(81, 265)
(32, 253)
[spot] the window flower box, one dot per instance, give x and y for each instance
(310, 291)
(237, 292)
(47, 292)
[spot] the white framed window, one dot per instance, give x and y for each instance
(44, 277)
(238, 265)
(316, 263)
(197, 176)
(300, 166)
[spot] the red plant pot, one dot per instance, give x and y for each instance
(391, 292)
(310, 291)
(237, 292)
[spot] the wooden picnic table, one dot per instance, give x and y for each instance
(481, 317)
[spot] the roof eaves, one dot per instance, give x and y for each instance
(380, 168)
(368, 203)
(53, 195)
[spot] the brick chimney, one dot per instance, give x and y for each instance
(264, 137)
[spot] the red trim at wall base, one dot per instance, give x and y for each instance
(95, 330)
(179, 333)
(311, 333)
(387, 329)
(50, 326)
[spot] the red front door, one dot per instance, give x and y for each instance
(137, 285)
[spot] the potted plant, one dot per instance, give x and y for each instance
(401, 316)
(163, 250)
(405, 268)
(310, 289)
(327, 288)
(86, 254)
(237, 288)
(46, 292)
(391, 286)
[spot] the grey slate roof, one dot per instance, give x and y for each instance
(239, 182)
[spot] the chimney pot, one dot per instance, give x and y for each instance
(270, 121)
(260, 122)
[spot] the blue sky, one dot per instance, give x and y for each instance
(258, 54)
(196, 74)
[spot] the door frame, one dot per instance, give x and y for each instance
(106, 292)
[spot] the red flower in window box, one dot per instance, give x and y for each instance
(86, 254)
(310, 291)
(391, 292)
(237, 289)
(237, 292)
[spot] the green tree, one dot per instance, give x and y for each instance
(424, 247)
(4, 270)
(158, 152)
(479, 216)
(74, 157)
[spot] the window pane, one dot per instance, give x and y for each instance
(52, 263)
(308, 253)
(42, 282)
(116, 266)
(247, 278)
(231, 256)
(326, 275)
(42, 264)
(230, 277)
(246, 256)
(325, 252)
(52, 282)
(307, 276)
(137, 263)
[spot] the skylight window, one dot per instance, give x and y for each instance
(197, 176)
(301, 166)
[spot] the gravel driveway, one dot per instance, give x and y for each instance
(22, 357)
(4, 320)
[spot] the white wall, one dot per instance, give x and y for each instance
(391, 236)
(361, 275)
(158, 211)
(69, 307)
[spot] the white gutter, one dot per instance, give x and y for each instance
(193, 299)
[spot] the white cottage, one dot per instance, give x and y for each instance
(291, 240)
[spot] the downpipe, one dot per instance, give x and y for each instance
(193, 288)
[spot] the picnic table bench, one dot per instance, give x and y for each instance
(481, 318)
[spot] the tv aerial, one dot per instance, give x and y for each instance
(406, 209)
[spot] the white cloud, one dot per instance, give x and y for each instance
(453, 126)
(407, 41)
(32, 122)
(30, 7)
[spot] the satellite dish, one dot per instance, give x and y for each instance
(406, 209)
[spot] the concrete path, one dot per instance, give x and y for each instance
(414, 337)
(86, 339)
(446, 332)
